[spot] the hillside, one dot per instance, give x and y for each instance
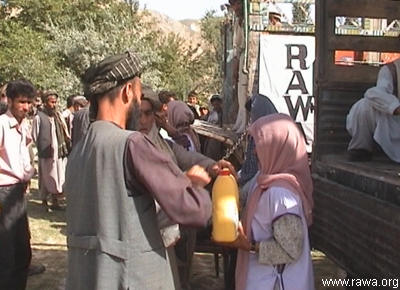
(188, 29)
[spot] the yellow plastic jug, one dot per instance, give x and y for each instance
(225, 198)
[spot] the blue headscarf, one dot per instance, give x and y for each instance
(260, 106)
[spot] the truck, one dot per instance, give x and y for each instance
(357, 204)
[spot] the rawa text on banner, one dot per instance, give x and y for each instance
(286, 77)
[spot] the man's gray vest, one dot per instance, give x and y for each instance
(80, 125)
(44, 140)
(113, 237)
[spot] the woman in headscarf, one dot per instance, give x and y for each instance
(274, 250)
(181, 117)
(258, 106)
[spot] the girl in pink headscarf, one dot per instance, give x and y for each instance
(274, 250)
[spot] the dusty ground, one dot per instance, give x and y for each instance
(49, 248)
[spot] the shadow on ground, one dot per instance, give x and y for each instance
(55, 262)
(48, 242)
(36, 211)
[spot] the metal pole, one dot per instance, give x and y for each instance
(246, 36)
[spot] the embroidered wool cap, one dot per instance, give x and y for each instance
(44, 95)
(111, 72)
(81, 101)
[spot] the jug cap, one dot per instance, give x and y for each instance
(224, 171)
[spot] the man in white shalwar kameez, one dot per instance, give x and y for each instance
(376, 117)
(50, 134)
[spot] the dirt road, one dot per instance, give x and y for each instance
(49, 248)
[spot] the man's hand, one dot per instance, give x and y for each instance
(241, 241)
(217, 167)
(161, 120)
(198, 176)
(397, 111)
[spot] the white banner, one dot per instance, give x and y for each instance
(286, 77)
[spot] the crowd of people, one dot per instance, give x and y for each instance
(136, 178)
(137, 182)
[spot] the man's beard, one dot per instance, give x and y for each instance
(133, 117)
(49, 111)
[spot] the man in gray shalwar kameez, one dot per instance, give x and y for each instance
(376, 117)
(50, 133)
(113, 177)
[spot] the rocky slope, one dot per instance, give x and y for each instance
(188, 29)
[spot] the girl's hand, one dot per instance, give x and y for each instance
(241, 241)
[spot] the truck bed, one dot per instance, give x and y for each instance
(379, 177)
(356, 214)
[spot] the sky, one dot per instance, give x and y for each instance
(183, 9)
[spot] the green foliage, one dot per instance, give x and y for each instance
(24, 54)
(175, 65)
(183, 69)
(52, 43)
(211, 26)
(79, 46)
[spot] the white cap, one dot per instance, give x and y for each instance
(273, 9)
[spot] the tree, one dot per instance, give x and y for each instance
(24, 55)
(197, 67)
(211, 26)
(175, 65)
(58, 49)
(53, 51)
(81, 45)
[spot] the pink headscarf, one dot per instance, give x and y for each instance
(283, 162)
(181, 117)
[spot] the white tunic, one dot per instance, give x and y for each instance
(275, 202)
(371, 118)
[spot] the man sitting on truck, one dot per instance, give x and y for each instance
(376, 117)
